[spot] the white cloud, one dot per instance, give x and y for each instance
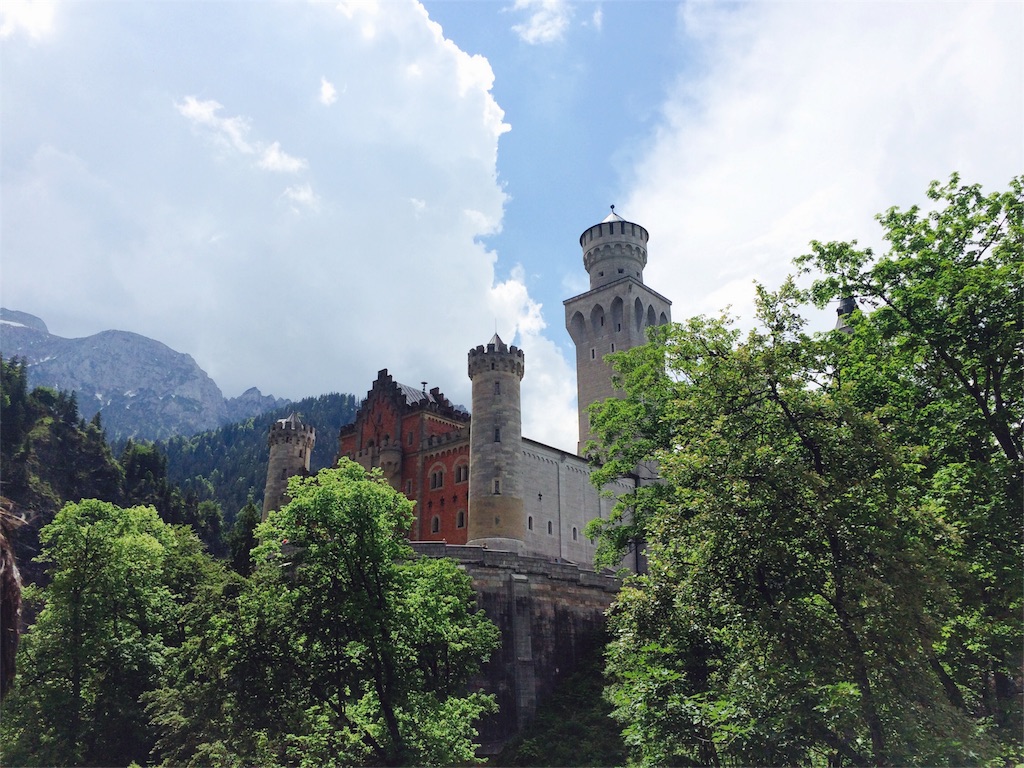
(597, 18)
(32, 17)
(328, 93)
(273, 159)
(303, 195)
(370, 255)
(548, 390)
(547, 23)
(803, 120)
(231, 131)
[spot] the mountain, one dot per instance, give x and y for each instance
(142, 388)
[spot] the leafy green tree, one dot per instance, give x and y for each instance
(242, 537)
(118, 580)
(940, 361)
(834, 563)
(341, 649)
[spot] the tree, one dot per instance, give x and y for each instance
(341, 649)
(118, 580)
(242, 537)
(817, 588)
(940, 361)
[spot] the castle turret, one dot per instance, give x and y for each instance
(615, 313)
(496, 516)
(291, 443)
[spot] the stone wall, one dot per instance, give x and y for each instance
(549, 613)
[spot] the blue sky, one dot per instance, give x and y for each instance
(299, 194)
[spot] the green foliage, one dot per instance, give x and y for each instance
(340, 649)
(119, 579)
(229, 465)
(242, 538)
(834, 549)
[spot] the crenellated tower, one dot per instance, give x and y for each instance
(291, 443)
(496, 512)
(615, 313)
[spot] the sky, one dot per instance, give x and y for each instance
(300, 194)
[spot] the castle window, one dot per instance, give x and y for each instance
(435, 524)
(497, 387)
(621, 270)
(302, 453)
(461, 473)
(529, 522)
(613, 346)
(410, 438)
(593, 353)
(575, 533)
(602, 321)
(497, 434)
(600, 274)
(494, 366)
(497, 487)
(551, 528)
(618, 327)
(408, 487)
(460, 519)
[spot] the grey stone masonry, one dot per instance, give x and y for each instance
(550, 614)
(614, 314)
(496, 515)
(291, 443)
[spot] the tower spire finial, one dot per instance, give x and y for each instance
(613, 207)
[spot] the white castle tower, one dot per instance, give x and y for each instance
(291, 443)
(496, 513)
(615, 313)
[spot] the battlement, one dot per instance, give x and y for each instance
(497, 356)
(291, 429)
(614, 250)
(614, 228)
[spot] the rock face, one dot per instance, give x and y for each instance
(251, 403)
(142, 389)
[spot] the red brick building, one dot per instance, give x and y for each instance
(421, 443)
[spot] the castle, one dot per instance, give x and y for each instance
(476, 479)
(510, 509)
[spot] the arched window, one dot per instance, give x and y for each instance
(529, 522)
(461, 473)
(550, 528)
(497, 434)
(497, 487)
(460, 519)
(497, 387)
(575, 533)
(435, 524)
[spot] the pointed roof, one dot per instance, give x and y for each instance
(497, 342)
(613, 216)
(293, 419)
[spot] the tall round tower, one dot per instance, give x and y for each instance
(615, 313)
(291, 443)
(496, 516)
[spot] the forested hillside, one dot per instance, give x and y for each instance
(229, 465)
(50, 456)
